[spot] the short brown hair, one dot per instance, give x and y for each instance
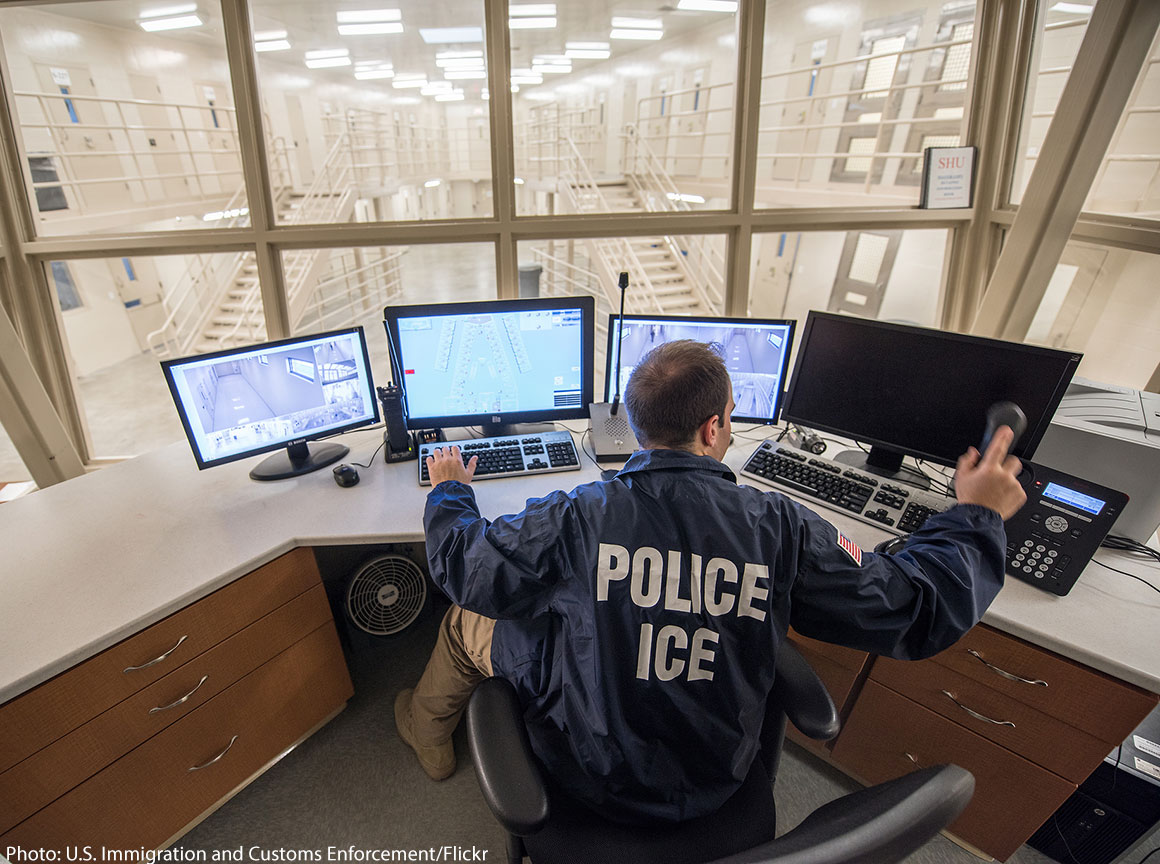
(673, 391)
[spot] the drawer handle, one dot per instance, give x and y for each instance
(976, 714)
(217, 757)
(182, 700)
(1003, 672)
(155, 660)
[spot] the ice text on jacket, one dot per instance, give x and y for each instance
(684, 582)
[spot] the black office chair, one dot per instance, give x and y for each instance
(881, 824)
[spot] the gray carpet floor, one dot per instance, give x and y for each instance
(355, 784)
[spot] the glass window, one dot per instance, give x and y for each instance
(852, 93)
(667, 276)
(383, 106)
(622, 111)
(1060, 30)
(1102, 301)
(126, 115)
(1128, 181)
(334, 288)
(893, 275)
(177, 305)
(12, 468)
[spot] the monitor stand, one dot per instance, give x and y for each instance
(298, 458)
(883, 462)
(503, 430)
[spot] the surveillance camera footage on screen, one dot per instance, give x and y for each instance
(273, 394)
(495, 363)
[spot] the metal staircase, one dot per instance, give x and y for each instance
(218, 304)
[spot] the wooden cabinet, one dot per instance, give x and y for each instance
(1030, 726)
(255, 667)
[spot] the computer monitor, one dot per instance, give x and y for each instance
(915, 391)
(756, 351)
(275, 396)
(493, 363)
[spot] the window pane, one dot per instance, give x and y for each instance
(12, 468)
(1102, 301)
(888, 275)
(616, 114)
(375, 115)
(1060, 30)
(131, 313)
(334, 288)
(667, 276)
(851, 95)
(124, 129)
(1128, 182)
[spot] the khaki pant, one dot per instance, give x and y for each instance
(460, 660)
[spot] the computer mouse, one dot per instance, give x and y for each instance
(891, 547)
(345, 475)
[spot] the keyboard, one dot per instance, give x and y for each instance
(842, 488)
(510, 455)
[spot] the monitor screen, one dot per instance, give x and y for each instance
(917, 391)
(756, 352)
(493, 362)
(258, 398)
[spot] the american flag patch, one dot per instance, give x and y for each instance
(850, 548)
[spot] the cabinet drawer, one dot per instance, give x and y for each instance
(888, 735)
(151, 794)
(69, 761)
(45, 713)
(847, 658)
(1081, 697)
(1043, 739)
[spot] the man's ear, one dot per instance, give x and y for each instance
(709, 430)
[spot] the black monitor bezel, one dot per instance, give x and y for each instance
(609, 372)
(202, 464)
(584, 302)
(1024, 448)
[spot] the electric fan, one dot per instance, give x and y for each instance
(386, 595)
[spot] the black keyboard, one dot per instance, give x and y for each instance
(510, 455)
(842, 488)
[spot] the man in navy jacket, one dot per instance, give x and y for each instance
(639, 618)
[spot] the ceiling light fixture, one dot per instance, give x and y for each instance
(431, 184)
(707, 5)
(446, 35)
(532, 10)
(367, 16)
(170, 11)
(270, 35)
(464, 74)
(637, 23)
(643, 35)
(327, 62)
(180, 22)
(272, 45)
(375, 29)
(531, 23)
(373, 74)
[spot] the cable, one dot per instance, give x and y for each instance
(1127, 544)
(591, 457)
(1149, 855)
(1059, 831)
(373, 455)
(1126, 573)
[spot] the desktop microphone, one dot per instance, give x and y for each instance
(612, 438)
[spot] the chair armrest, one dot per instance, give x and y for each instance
(802, 697)
(508, 774)
(879, 825)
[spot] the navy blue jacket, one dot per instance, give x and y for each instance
(639, 618)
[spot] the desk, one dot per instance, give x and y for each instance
(95, 560)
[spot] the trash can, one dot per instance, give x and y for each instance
(530, 280)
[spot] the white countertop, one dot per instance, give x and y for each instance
(89, 562)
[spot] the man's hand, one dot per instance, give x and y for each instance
(445, 463)
(990, 480)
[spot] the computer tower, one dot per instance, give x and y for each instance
(1111, 810)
